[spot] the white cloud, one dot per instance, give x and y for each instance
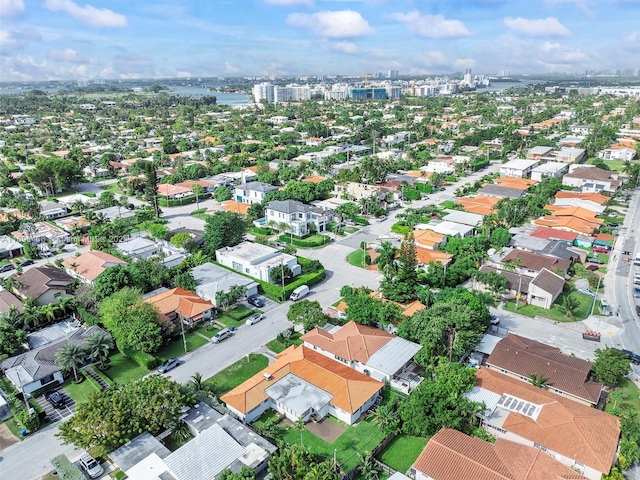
(11, 8)
(69, 55)
(464, 63)
(431, 26)
(230, 69)
(95, 17)
(432, 58)
(183, 75)
(557, 54)
(537, 27)
(343, 47)
(332, 24)
(17, 40)
(307, 3)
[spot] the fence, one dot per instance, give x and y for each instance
(353, 473)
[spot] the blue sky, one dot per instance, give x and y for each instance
(86, 39)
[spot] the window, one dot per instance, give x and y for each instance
(47, 379)
(236, 266)
(540, 447)
(57, 295)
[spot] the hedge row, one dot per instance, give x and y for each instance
(275, 291)
(163, 202)
(145, 360)
(261, 231)
(66, 469)
(305, 243)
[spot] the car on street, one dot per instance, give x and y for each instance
(55, 399)
(256, 301)
(46, 254)
(255, 318)
(382, 218)
(595, 260)
(91, 465)
(221, 335)
(638, 309)
(636, 293)
(592, 268)
(26, 263)
(494, 320)
(7, 267)
(634, 357)
(169, 365)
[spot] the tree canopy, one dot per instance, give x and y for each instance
(306, 313)
(223, 229)
(610, 366)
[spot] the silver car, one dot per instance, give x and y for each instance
(255, 318)
(91, 465)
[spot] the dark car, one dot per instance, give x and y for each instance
(595, 260)
(7, 267)
(593, 268)
(638, 309)
(634, 357)
(636, 293)
(26, 263)
(55, 399)
(169, 365)
(256, 301)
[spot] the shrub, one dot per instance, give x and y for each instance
(261, 231)
(361, 221)
(239, 313)
(401, 228)
(145, 360)
(29, 421)
(67, 470)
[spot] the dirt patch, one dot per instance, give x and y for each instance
(6, 437)
(326, 430)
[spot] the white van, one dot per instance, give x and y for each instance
(299, 292)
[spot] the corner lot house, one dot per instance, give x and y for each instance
(304, 384)
(582, 438)
(211, 279)
(252, 192)
(298, 216)
(180, 304)
(452, 455)
(544, 289)
(519, 357)
(256, 260)
(44, 284)
(90, 264)
(369, 350)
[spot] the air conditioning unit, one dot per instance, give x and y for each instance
(267, 376)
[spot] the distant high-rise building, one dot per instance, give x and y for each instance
(468, 78)
(504, 73)
(263, 91)
(393, 74)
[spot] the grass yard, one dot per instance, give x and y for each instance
(447, 204)
(276, 346)
(615, 165)
(79, 391)
(235, 374)
(123, 369)
(355, 258)
(176, 347)
(402, 452)
(360, 438)
(207, 331)
(631, 399)
(13, 427)
(557, 312)
(201, 214)
(350, 229)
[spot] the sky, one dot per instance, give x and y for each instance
(129, 39)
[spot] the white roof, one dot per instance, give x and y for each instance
(136, 245)
(298, 395)
(393, 355)
(487, 344)
(464, 218)
(450, 228)
(551, 167)
(578, 202)
(490, 399)
(519, 164)
(148, 469)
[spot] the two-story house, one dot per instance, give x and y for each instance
(256, 260)
(252, 192)
(179, 304)
(518, 168)
(300, 218)
(45, 284)
(592, 179)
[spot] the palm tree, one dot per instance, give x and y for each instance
(538, 380)
(196, 382)
(13, 316)
(570, 305)
(71, 356)
(31, 316)
(299, 425)
(98, 345)
(386, 259)
(49, 312)
(369, 470)
(67, 305)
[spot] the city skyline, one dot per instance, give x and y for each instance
(64, 39)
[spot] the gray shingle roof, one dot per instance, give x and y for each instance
(289, 206)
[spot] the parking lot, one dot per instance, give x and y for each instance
(56, 414)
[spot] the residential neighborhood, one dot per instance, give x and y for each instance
(380, 284)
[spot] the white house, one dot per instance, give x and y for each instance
(549, 170)
(298, 216)
(592, 179)
(139, 248)
(256, 260)
(617, 152)
(571, 155)
(252, 192)
(518, 168)
(443, 165)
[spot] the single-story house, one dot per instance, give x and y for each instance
(567, 375)
(305, 384)
(42, 232)
(478, 204)
(592, 179)
(453, 455)
(549, 170)
(516, 284)
(544, 289)
(8, 300)
(9, 248)
(518, 168)
(529, 263)
(50, 210)
(501, 192)
(583, 438)
(89, 265)
(180, 304)
(139, 248)
(211, 279)
(111, 213)
(256, 260)
(173, 192)
(45, 284)
(429, 239)
(369, 350)
(456, 230)
(36, 368)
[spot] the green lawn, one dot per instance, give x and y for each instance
(402, 452)
(557, 311)
(113, 187)
(355, 440)
(447, 204)
(355, 258)
(207, 331)
(79, 391)
(631, 399)
(276, 346)
(124, 370)
(616, 165)
(201, 214)
(235, 374)
(176, 347)
(13, 427)
(350, 229)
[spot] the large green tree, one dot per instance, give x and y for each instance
(52, 174)
(307, 313)
(112, 417)
(610, 366)
(112, 280)
(402, 287)
(11, 339)
(223, 229)
(296, 462)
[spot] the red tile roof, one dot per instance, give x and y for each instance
(554, 234)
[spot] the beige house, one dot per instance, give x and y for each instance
(44, 284)
(544, 289)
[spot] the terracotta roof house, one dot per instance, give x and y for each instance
(479, 204)
(173, 192)
(580, 437)
(573, 211)
(369, 350)
(569, 223)
(426, 256)
(514, 182)
(429, 239)
(90, 264)
(554, 234)
(44, 284)
(305, 384)
(180, 302)
(520, 357)
(452, 455)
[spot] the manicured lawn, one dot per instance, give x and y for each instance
(631, 399)
(351, 229)
(201, 214)
(355, 258)
(207, 331)
(360, 438)
(557, 311)
(616, 165)
(176, 347)
(277, 346)
(79, 391)
(13, 427)
(447, 204)
(124, 370)
(235, 374)
(402, 452)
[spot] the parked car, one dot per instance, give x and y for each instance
(299, 292)
(592, 268)
(614, 225)
(636, 293)
(256, 301)
(169, 365)
(7, 267)
(46, 254)
(26, 263)
(55, 399)
(91, 465)
(221, 335)
(382, 218)
(255, 318)
(638, 309)
(634, 357)
(595, 260)
(587, 291)
(600, 249)
(495, 320)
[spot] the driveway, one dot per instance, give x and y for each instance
(56, 414)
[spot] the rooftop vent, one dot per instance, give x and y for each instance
(267, 376)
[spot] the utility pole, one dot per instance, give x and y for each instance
(184, 337)
(282, 275)
(519, 289)
(593, 302)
